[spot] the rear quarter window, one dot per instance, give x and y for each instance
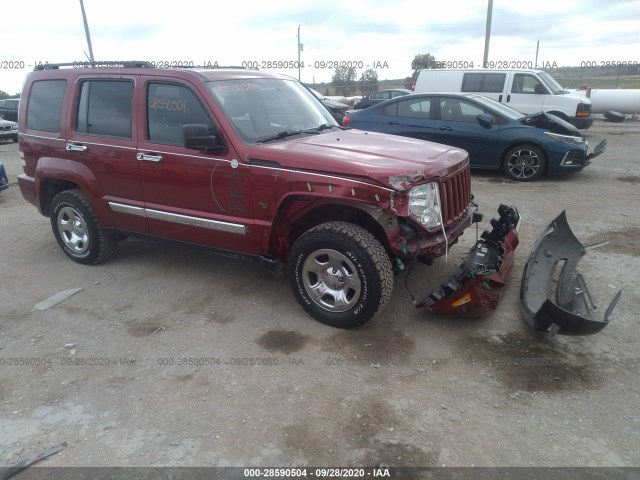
(45, 105)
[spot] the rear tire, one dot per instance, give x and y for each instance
(524, 163)
(340, 274)
(77, 229)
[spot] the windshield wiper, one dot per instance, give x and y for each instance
(324, 126)
(287, 133)
(280, 135)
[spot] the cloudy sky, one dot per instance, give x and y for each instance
(369, 32)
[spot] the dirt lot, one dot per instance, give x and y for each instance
(146, 365)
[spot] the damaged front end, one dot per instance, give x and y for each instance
(567, 313)
(475, 287)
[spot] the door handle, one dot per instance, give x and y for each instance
(448, 129)
(149, 158)
(394, 123)
(75, 147)
(500, 98)
(508, 98)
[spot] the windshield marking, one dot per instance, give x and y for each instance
(234, 87)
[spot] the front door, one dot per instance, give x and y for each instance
(193, 196)
(527, 94)
(458, 125)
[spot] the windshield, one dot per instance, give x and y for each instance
(263, 107)
(499, 108)
(554, 86)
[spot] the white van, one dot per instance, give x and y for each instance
(529, 91)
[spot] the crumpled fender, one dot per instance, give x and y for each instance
(567, 313)
(474, 289)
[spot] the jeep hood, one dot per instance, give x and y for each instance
(550, 122)
(394, 161)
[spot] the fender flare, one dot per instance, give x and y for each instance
(60, 169)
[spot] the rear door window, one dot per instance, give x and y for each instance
(104, 108)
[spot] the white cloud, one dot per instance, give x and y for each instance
(361, 30)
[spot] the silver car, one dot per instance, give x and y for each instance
(8, 130)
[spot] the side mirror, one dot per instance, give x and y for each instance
(539, 88)
(197, 137)
(485, 120)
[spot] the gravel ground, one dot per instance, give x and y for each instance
(173, 356)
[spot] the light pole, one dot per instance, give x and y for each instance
(487, 35)
(300, 47)
(86, 31)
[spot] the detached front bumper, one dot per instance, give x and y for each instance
(475, 287)
(567, 313)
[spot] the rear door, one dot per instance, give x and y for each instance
(102, 140)
(411, 117)
(189, 195)
(458, 126)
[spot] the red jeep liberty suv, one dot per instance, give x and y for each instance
(245, 162)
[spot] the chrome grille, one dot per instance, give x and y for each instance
(455, 195)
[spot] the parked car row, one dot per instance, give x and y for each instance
(380, 96)
(337, 109)
(495, 135)
(528, 91)
(8, 131)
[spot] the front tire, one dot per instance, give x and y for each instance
(524, 163)
(77, 229)
(340, 274)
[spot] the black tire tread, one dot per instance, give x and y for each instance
(108, 245)
(366, 241)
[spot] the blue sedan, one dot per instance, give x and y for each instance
(4, 181)
(495, 135)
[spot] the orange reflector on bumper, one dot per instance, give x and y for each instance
(462, 300)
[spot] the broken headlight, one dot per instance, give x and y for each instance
(424, 204)
(566, 139)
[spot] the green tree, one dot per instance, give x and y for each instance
(344, 79)
(422, 61)
(4, 95)
(370, 81)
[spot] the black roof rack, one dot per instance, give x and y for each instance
(125, 64)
